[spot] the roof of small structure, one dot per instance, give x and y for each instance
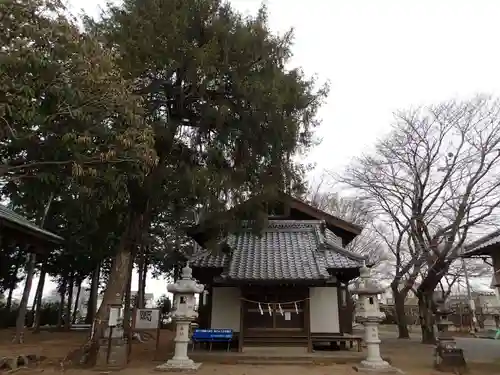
(342, 228)
(17, 222)
(284, 250)
(483, 246)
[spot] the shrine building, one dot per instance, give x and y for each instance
(284, 285)
(487, 248)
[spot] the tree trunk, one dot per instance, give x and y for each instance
(127, 314)
(118, 277)
(69, 305)
(21, 315)
(77, 302)
(62, 293)
(425, 307)
(137, 219)
(38, 301)
(137, 302)
(143, 284)
(23, 306)
(13, 281)
(8, 304)
(399, 304)
(426, 303)
(33, 306)
(141, 290)
(94, 291)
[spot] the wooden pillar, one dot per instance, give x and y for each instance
(496, 270)
(210, 299)
(241, 336)
(341, 308)
(273, 308)
(307, 321)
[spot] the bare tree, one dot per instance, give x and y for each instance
(353, 210)
(435, 178)
(406, 266)
(455, 279)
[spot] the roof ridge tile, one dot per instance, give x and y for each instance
(292, 254)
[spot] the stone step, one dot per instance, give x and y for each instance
(276, 361)
(275, 341)
(275, 350)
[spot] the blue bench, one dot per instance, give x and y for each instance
(212, 335)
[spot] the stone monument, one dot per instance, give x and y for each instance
(447, 357)
(183, 314)
(368, 313)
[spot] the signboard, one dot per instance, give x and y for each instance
(146, 319)
(288, 315)
(212, 335)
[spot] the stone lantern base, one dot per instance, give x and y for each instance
(381, 367)
(179, 365)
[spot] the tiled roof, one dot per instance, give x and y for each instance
(205, 260)
(16, 220)
(492, 241)
(477, 247)
(285, 250)
(330, 236)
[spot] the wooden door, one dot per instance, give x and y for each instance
(274, 309)
(346, 309)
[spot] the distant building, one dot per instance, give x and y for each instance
(411, 300)
(149, 300)
(488, 300)
(483, 299)
(52, 297)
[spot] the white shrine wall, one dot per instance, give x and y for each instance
(324, 310)
(226, 310)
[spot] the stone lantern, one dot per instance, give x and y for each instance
(183, 314)
(447, 357)
(368, 313)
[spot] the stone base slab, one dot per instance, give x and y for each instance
(377, 368)
(173, 365)
(117, 358)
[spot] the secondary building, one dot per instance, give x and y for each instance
(284, 283)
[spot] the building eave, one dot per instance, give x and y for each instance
(12, 220)
(485, 246)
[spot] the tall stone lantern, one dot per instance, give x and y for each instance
(184, 313)
(368, 313)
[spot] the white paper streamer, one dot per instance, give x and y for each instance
(296, 308)
(280, 309)
(270, 310)
(260, 309)
(204, 299)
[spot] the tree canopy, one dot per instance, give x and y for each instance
(150, 113)
(66, 110)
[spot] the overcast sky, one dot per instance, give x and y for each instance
(379, 56)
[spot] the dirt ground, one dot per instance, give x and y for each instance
(412, 358)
